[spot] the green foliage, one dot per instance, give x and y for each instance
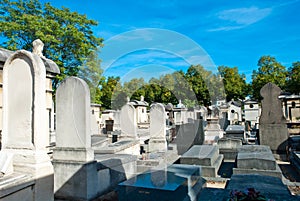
(269, 70)
(293, 82)
(196, 76)
(134, 88)
(109, 89)
(91, 72)
(67, 35)
(234, 83)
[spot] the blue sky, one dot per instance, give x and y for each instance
(150, 38)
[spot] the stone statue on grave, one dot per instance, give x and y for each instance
(38, 47)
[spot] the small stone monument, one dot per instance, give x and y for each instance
(75, 172)
(128, 122)
(272, 124)
(157, 140)
(212, 131)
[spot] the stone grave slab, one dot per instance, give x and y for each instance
(113, 169)
(207, 156)
(120, 147)
(229, 147)
(256, 159)
(270, 187)
(176, 182)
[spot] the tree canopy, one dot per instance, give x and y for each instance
(234, 83)
(269, 70)
(67, 35)
(293, 82)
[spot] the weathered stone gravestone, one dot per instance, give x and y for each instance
(272, 124)
(73, 159)
(128, 122)
(257, 159)
(24, 127)
(157, 140)
(207, 156)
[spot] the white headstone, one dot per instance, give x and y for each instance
(128, 121)
(24, 103)
(24, 119)
(157, 140)
(73, 114)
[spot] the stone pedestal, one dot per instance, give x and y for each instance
(72, 179)
(275, 136)
(207, 156)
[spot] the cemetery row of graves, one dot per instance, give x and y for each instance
(164, 153)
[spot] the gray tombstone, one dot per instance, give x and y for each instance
(24, 126)
(189, 134)
(157, 140)
(273, 129)
(128, 122)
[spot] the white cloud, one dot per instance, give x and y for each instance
(240, 17)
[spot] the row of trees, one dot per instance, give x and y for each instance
(196, 86)
(71, 43)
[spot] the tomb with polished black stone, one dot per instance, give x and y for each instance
(174, 183)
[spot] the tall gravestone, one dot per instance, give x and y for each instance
(128, 122)
(75, 174)
(24, 128)
(272, 124)
(157, 140)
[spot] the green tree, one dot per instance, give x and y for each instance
(91, 72)
(234, 84)
(134, 88)
(109, 89)
(68, 36)
(269, 70)
(293, 82)
(196, 76)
